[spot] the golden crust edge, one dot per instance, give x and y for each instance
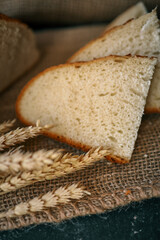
(70, 142)
(10, 19)
(150, 110)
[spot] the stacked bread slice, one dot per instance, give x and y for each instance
(98, 102)
(135, 11)
(140, 36)
(18, 50)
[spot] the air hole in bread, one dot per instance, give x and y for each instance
(78, 120)
(141, 73)
(120, 131)
(112, 139)
(156, 53)
(113, 94)
(147, 53)
(135, 92)
(103, 94)
(130, 39)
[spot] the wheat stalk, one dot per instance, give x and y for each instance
(5, 126)
(62, 195)
(19, 135)
(63, 165)
(14, 162)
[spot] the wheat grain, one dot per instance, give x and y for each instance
(19, 135)
(62, 165)
(5, 126)
(62, 195)
(14, 162)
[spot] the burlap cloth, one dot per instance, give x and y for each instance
(108, 183)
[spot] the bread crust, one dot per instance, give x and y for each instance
(152, 110)
(9, 19)
(70, 142)
(79, 145)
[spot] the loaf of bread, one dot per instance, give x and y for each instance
(91, 104)
(135, 11)
(140, 36)
(18, 50)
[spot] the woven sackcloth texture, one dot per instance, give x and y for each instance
(111, 185)
(68, 11)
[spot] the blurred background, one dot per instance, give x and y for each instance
(53, 13)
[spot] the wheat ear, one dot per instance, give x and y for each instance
(63, 165)
(5, 126)
(14, 162)
(19, 135)
(62, 195)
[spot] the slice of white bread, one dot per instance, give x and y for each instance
(140, 36)
(135, 11)
(91, 104)
(18, 50)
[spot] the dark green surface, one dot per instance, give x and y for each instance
(136, 221)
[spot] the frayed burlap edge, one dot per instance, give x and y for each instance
(92, 205)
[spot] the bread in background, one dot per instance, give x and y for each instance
(139, 36)
(135, 11)
(18, 50)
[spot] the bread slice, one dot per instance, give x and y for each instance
(140, 36)
(135, 11)
(18, 50)
(91, 104)
(153, 99)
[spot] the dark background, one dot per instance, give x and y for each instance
(136, 221)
